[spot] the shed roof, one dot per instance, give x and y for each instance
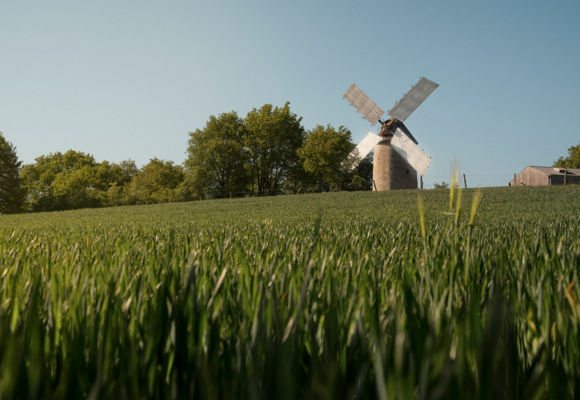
(556, 170)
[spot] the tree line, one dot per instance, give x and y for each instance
(572, 160)
(268, 152)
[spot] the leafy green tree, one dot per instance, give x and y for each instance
(78, 188)
(156, 182)
(39, 178)
(573, 159)
(273, 136)
(216, 157)
(12, 192)
(127, 170)
(324, 152)
(61, 181)
(101, 184)
(362, 176)
(117, 178)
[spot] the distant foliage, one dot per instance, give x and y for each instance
(62, 181)
(232, 156)
(157, 182)
(362, 175)
(268, 152)
(323, 153)
(573, 159)
(12, 192)
(216, 161)
(442, 185)
(70, 180)
(273, 137)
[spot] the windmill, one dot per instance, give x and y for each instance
(397, 158)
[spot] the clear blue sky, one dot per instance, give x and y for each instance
(130, 79)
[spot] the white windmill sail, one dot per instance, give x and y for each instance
(413, 99)
(364, 147)
(412, 153)
(364, 105)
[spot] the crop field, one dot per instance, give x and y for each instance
(338, 295)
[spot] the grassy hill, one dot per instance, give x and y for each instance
(329, 295)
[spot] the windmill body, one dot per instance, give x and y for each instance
(390, 169)
(397, 158)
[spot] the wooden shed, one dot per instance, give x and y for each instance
(546, 176)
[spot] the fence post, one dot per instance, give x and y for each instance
(565, 176)
(464, 182)
(421, 176)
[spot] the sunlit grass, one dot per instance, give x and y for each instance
(336, 295)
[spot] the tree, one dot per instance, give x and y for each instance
(74, 179)
(127, 170)
(442, 185)
(362, 176)
(216, 157)
(118, 178)
(156, 182)
(573, 159)
(324, 152)
(78, 188)
(39, 179)
(12, 192)
(273, 136)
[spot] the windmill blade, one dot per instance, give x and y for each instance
(412, 153)
(364, 147)
(367, 145)
(364, 105)
(413, 99)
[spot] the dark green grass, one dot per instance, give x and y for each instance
(328, 296)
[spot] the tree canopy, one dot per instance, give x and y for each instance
(273, 136)
(52, 180)
(12, 192)
(362, 176)
(61, 181)
(323, 153)
(157, 182)
(217, 157)
(257, 154)
(573, 159)
(265, 153)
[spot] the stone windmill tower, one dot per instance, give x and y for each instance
(397, 158)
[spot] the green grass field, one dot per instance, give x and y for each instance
(339, 295)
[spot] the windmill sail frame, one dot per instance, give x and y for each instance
(363, 104)
(412, 153)
(413, 99)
